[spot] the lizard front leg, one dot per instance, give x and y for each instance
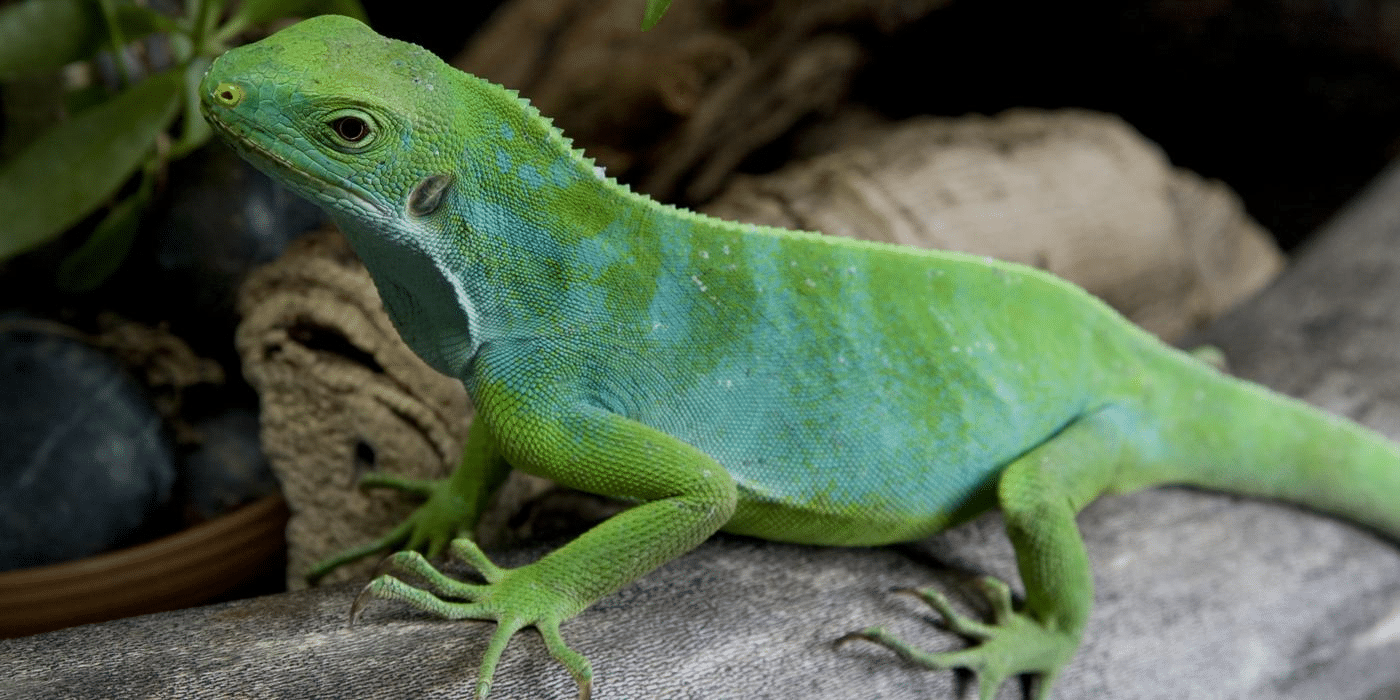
(684, 495)
(450, 509)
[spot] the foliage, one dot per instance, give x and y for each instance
(77, 167)
(655, 9)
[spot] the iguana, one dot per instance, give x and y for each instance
(726, 376)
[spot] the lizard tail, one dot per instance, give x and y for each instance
(1232, 435)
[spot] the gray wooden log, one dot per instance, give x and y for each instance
(1199, 594)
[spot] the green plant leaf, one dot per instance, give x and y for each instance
(137, 21)
(128, 21)
(43, 35)
(652, 15)
(72, 168)
(194, 130)
(103, 252)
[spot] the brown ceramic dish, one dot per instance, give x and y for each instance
(184, 569)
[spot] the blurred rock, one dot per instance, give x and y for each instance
(227, 469)
(84, 458)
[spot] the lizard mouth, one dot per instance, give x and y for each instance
(298, 173)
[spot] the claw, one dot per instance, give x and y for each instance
(361, 600)
(868, 634)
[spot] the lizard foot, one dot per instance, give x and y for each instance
(513, 598)
(443, 516)
(1013, 643)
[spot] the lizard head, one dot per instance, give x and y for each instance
(371, 129)
(345, 117)
(459, 197)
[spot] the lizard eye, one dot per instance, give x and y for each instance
(351, 129)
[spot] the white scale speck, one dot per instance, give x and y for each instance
(726, 249)
(840, 359)
(809, 282)
(698, 283)
(705, 255)
(600, 172)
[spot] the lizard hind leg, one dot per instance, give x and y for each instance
(1039, 493)
(991, 668)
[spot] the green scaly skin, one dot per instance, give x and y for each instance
(724, 376)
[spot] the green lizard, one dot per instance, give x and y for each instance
(725, 376)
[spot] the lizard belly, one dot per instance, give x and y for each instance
(844, 455)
